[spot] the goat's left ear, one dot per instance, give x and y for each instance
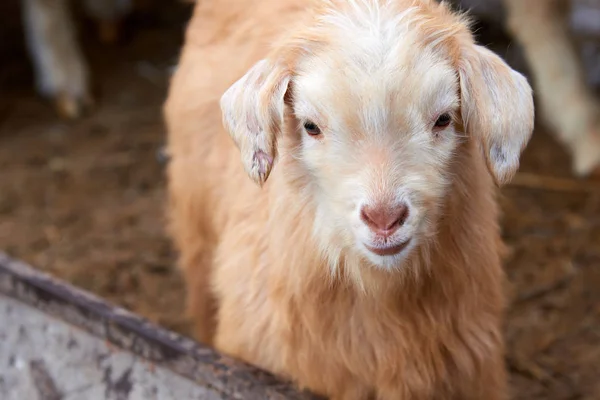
(497, 109)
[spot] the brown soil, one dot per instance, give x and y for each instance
(85, 200)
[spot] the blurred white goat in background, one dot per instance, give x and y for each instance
(61, 70)
(560, 40)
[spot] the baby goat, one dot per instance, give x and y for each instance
(60, 67)
(363, 261)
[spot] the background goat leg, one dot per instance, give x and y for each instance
(566, 102)
(109, 14)
(61, 71)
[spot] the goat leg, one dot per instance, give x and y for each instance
(567, 104)
(60, 68)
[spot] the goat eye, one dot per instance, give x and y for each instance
(312, 128)
(443, 121)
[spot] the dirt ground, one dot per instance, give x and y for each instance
(84, 201)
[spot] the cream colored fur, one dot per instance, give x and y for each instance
(273, 249)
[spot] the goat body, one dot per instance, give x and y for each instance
(355, 106)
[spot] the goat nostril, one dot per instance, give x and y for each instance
(384, 219)
(365, 217)
(402, 215)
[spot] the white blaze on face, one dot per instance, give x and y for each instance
(375, 93)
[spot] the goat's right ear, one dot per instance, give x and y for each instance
(253, 111)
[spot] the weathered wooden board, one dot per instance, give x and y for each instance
(47, 359)
(58, 342)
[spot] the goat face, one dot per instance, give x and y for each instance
(370, 104)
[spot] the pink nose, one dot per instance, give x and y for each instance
(384, 220)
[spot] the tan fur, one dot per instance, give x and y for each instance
(275, 272)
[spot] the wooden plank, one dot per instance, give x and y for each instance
(42, 357)
(33, 304)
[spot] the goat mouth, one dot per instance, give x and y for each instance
(390, 250)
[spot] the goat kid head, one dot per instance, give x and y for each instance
(371, 101)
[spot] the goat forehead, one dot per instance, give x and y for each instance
(373, 32)
(410, 88)
(378, 66)
(370, 36)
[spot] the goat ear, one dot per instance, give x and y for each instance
(253, 110)
(497, 109)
